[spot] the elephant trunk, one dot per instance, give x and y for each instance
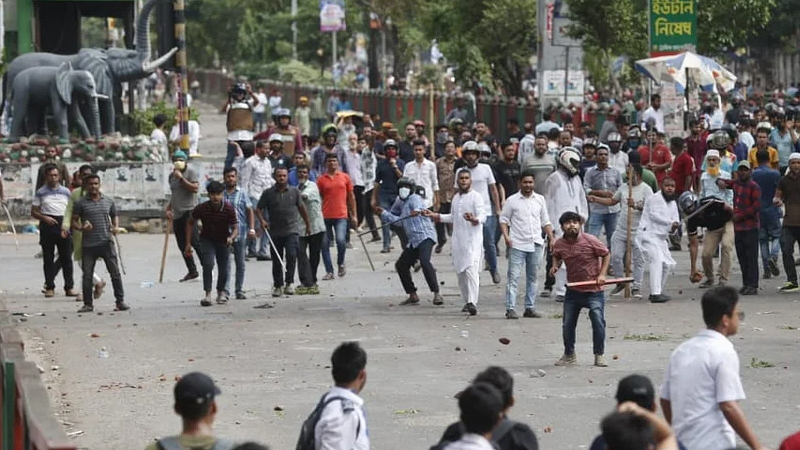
(95, 111)
(143, 31)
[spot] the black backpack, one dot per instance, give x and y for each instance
(497, 435)
(307, 440)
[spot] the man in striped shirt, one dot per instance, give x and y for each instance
(49, 205)
(92, 215)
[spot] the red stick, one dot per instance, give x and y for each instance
(594, 282)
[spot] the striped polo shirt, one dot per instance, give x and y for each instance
(52, 202)
(217, 220)
(99, 213)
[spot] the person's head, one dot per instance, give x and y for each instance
(481, 406)
(571, 223)
(540, 145)
(794, 163)
(652, 136)
(390, 148)
(420, 126)
(634, 137)
(250, 446)
(614, 142)
(565, 138)
(262, 150)
(762, 138)
(302, 172)
(638, 389)
(527, 182)
(450, 149)
(281, 176)
(601, 155)
(470, 153)
(231, 177)
(160, 120)
(405, 187)
(52, 175)
(744, 171)
(303, 101)
(569, 161)
(569, 126)
(329, 135)
(553, 134)
(276, 144)
(91, 184)
(464, 180)
(349, 366)
(627, 431)
(332, 162)
(419, 149)
(694, 127)
(298, 158)
(352, 141)
(721, 310)
(50, 152)
(590, 149)
(284, 118)
(480, 128)
(677, 145)
(194, 398)
(411, 131)
(84, 171)
(712, 158)
(509, 151)
(762, 158)
(668, 189)
(215, 189)
(655, 101)
(512, 125)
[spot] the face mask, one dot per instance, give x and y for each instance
(404, 192)
(633, 143)
(441, 138)
(180, 165)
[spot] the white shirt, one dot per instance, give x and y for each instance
(194, 136)
(274, 104)
(482, 178)
(159, 138)
(640, 193)
(658, 216)
(702, 373)
(618, 161)
(262, 103)
(342, 424)
(424, 175)
(747, 138)
(470, 442)
(525, 216)
(709, 187)
(656, 115)
(256, 176)
(564, 193)
(526, 148)
(467, 239)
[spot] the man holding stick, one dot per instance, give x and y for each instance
(184, 186)
(660, 218)
(586, 259)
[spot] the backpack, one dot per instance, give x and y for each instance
(173, 443)
(307, 439)
(497, 435)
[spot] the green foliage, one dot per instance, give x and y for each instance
(760, 364)
(289, 71)
(143, 119)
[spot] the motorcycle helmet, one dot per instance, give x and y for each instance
(720, 140)
(687, 202)
(569, 158)
(470, 146)
(390, 143)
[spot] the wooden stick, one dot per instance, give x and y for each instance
(593, 282)
(628, 243)
(164, 250)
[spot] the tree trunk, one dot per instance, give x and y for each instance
(372, 57)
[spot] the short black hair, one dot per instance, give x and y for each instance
(553, 133)
(570, 216)
(229, 170)
(92, 176)
(762, 156)
(260, 143)
(48, 167)
(301, 166)
(215, 187)
(627, 431)
(676, 142)
(506, 144)
(250, 446)
(512, 121)
(634, 158)
(277, 168)
(500, 379)
(331, 156)
(347, 361)
(419, 142)
(638, 169)
(655, 97)
(694, 123)
(481, 405)
(85, 167)
(193, 412)
(718, 302)
(159, 120)
(527, 173)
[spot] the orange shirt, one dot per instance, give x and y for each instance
(334, 190)
(773, 158)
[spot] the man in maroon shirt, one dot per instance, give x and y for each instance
(746, 215)
(682, 172)
(586, 259)
(697, 148)
(218, 233)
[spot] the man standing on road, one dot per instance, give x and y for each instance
(256, 178)
(508, 171)
(421, 237)
(282, 204)
(522, 221)
(660, 218)
(466, 215)
(654, 114)
(702, 387)
(328, 146)
(423, 172)
(788, 195)
(49, 207)
(602, 181)
(245, 218)
(219, 231)
(184, 186)
(387, 173)
(51, 157)
(311, 240)
(406, 147)
(445, 173)
(617, 158)
(746, 218)
(714, 218)
(93, 215)
(709, 187)
(586, 259)
(682, 172)
(338, 203)
(769, 231)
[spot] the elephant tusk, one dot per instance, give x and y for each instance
(100, 96)
(152, 65)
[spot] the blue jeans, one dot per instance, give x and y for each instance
(239, 250)
(516, 259)
(316, 126)
(219, 252)
(769, 238)
(489, 247)
(598, 221)
(263, 241)
(595, 302)
(339, 227)
(386, 201)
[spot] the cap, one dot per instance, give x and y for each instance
(419, 123)
(387, 125)
(195, 389)
(179, 154)
(275, 137)
(794, 156)
(712, 153)
(638, 389)
(304, 99)
(745, 164)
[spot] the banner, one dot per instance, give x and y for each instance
(673, 26)
(331, 16)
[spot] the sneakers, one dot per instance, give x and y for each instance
(312, 290)
(222, 298)
(636, 293)
(412, 299)
(437, 299)
(206, 301)
(342, 271)
(301, 290)
(122, 306)
(496, 277)
(773, 266)
(86, 309)
(559, 299)
(189, 276)
(530, 312)
(790, 286)
(600, 361)
(385, 250)
(98, 289)
(465, 308)
(288, 290)
(618, 289)
(511, 314)
(707, 284)
(749, 290)
(240, 296)
(545, 293)
(277, 291)
(328, 276)
(472, 309)
(659, 298)
(49, 293)
(567, 360)
(263, 258)
(71, 293)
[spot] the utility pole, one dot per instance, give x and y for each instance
(180, 66)
(294, 29)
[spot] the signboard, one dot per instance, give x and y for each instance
(673, 105)
(560, 37)
(331, 16)
(553, 85)
(673, 26)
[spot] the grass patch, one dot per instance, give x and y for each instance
(556, 316)
(760, 364)
(645, 337)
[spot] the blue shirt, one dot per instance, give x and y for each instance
(240, 202)
(782, 143)
(312, 176)
(767, 179)
(386, 176)
(343, 105)
(417, 229)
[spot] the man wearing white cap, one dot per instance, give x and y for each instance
(718, 235)
(277, 157)
(788, 195)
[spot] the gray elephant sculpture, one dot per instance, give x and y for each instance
(108, 67)
(60, 89)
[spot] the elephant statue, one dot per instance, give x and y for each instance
(60, 89)
(108, 67)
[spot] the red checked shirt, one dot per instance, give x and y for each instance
(746, 204)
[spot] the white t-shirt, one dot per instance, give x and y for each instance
(194, 136)
(702, 373)
(482, 178)
(274, 104)
(657, 115)
(262, 103)
(640, 194)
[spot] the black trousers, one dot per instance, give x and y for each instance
(286, 247)
(422, 252)
(365, 213)
(50, 239)
(747, 252)
(179, 228)
(89, 257)
(790, 236)
(441, 227)
(549, 280)
(308, 258)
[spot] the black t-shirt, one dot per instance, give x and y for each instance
(507, 175)
(714, 217)
(519, 437)
(405, 151)
(280, 161)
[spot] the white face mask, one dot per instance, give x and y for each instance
(404, 192)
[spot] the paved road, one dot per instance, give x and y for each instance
(418, 359)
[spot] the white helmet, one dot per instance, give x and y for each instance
(569, 158)
(275, 137)
(470, 146)
(484, 149)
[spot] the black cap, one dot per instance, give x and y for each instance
(638, 389)
(194, 390)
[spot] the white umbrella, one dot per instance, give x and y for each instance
(703, 71)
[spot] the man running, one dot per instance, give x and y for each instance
(184, 186)
(660, 218)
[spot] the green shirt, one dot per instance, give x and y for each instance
(648, 177)
(313, 203)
